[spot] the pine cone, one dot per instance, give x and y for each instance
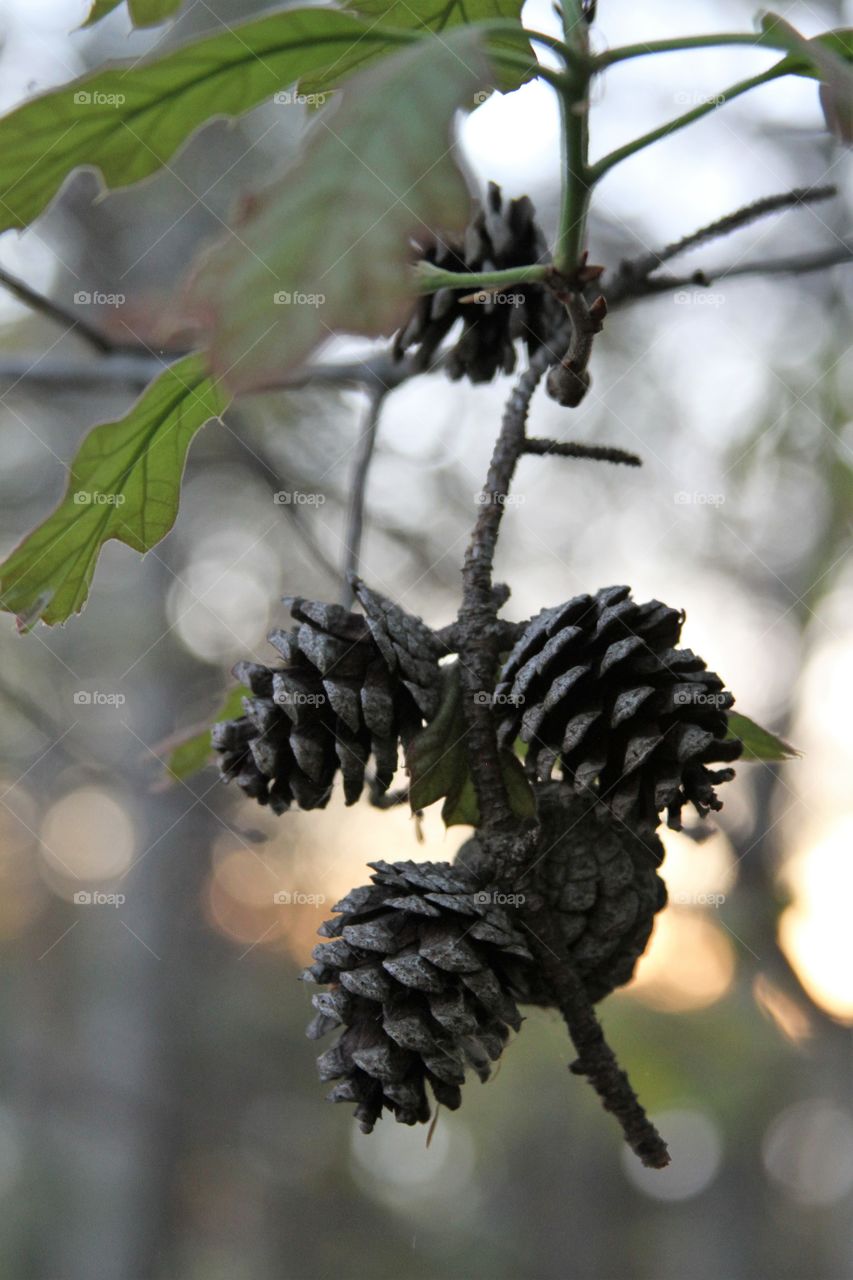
(597, 686)
(350, 687)
(598, 877)
(424, 966)
(498, 236)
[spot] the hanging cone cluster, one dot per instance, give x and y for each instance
(349, 687)
(499, 236)
(424, 966)
(599, 878)
(598, 687)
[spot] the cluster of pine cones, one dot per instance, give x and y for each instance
(426, 965)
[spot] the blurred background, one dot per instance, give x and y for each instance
(160, 1118)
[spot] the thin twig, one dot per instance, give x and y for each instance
(644, 266)
(355, 523)
(568, 449)
(59, 314)
(596, 1059)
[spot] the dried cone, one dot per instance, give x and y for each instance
(599, 878)
(424, 967)
(597, 687)
(349, 687)
(499, 236)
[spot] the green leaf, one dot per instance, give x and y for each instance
(825, 58)
(143, 13)
(130, 119)
(431, 16)
(326, 248)
(124, 483)
(192, 750)
(437, 760)
(758, 743)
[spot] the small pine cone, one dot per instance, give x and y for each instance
(597, 686)
(423, 967)
(498, 236)
(339, 697)
(600, 880)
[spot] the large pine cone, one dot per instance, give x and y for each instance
(599, 879)
(498, 236)
(597, 686)
(349, 687)
(424, 967)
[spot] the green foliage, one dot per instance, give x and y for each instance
(759, 744)
(192, 752)
(326, 247)
(130, 120)
(437, 761)
(143, 13)
(124, 483)
(430, 16)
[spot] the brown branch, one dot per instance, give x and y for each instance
(596, 1060)
(639, 268)
(355, 523)
(593, 452)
